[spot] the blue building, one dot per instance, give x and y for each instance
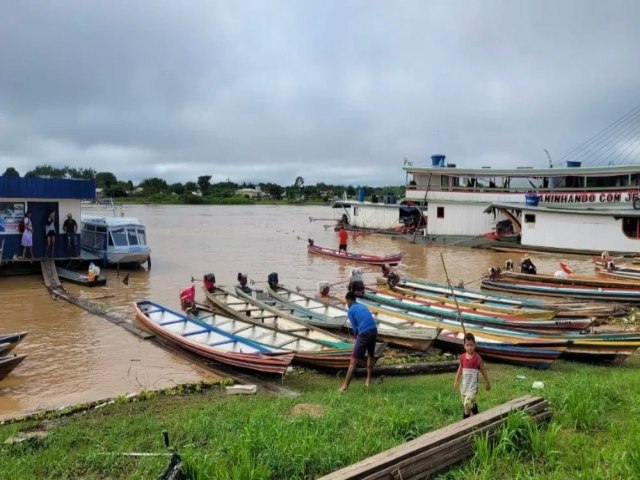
(39, 195)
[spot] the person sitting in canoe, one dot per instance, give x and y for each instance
(356, 284)
(392, 277)
(209, 282)
(323, 292)
(272, 280)
(243, 280)
(527, 266)
(188, 299)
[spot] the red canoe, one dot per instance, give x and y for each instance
(393, 259)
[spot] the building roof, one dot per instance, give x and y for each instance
(54, 188)
(527, 172)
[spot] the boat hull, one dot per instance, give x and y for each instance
(8, 364)
(356, 257)
(276, 362)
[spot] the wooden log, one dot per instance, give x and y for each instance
(412, 368)
(440, 449)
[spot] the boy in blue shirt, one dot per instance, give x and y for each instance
(366, 333)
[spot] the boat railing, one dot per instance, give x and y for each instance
(102, 206)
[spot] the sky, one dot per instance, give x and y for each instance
(339, 92)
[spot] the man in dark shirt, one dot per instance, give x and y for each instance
(70, 228)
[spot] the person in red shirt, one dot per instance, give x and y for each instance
(342, 236)
(470, 365)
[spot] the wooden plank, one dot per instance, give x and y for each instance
(438, 441)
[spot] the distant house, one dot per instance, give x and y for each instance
(252, 193)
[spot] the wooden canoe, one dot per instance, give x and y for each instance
(483, 307)
(567, 291)
(519, 348)
(211, 342)
(484, 296)
(229, 301)
(535, 357)
(563, 309)
(370, 259)
(477, 317)
(593, 348)
(8, 363)
(572, 280)
(392, 331)
(80, 278)
(327, 317)
(311, 346)
(10, 341)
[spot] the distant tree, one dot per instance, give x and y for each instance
(351, 191)
(203, 184)
(272, 189)
(47, 171)
(151, 186)
(177, 188)
(109, 183)
(105, 180)
(11, 172)
(119, 189)
(190, 187)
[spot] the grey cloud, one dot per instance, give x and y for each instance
(338, 92)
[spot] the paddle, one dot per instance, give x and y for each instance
(311, 219)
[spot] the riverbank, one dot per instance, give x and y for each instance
(594, 433)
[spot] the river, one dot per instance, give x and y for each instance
(74, 356)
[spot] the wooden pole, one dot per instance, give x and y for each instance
(455, 299)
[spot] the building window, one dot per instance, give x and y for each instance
(529, 218)
(631, 227)
(440, 212)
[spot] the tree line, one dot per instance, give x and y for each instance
(202, 190)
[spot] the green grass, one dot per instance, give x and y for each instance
(594, 433)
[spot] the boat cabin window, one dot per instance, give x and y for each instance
(133, 236)
(575, 182)
(631, 227)
(119, 237)
(529, 218)
(440, 212)
(142, 236)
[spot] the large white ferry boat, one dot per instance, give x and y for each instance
(455, 199)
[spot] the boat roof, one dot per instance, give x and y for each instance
(599, 171)
(111, 221)
(608, 212)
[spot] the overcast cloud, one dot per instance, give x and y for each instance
(334, 91)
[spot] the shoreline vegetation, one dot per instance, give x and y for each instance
(156, 190)
(594, 432)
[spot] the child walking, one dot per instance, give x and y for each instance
(470, 365)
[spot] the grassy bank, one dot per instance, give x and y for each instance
(595, 432)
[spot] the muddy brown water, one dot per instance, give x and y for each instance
(78, 357)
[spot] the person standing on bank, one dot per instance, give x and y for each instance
(343, 236)
(366, 333)
(50, 233)
(27, 236)
(70, 228)
(471, 365)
